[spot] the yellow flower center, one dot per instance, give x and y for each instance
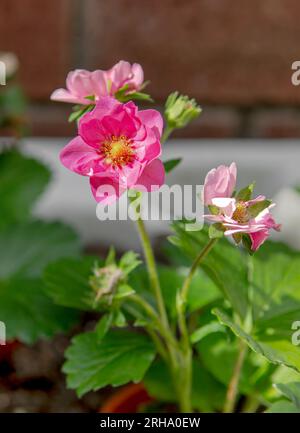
(241, 214)
(117, 151)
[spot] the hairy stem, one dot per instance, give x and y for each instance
(152, 271)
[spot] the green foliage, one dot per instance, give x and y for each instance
(225, 264)
(22, 180)
(119, 357)
(159, 384)
(27, 246)
(291, 391)
(67, 282)
(24, 307)
(202, 290)
(263, 291)
(171, 164)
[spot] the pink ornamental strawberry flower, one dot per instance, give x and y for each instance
(238, 216)
(118, 147)
(85, 87)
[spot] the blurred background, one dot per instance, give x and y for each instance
(234, 58)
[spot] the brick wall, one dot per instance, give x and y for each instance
(234, 56)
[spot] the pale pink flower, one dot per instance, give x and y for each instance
(124, 74)
(219, 182)
(236, 218)
(85, 87)
(81, 86)
(118, 146)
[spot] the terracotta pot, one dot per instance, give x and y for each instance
(127, 400)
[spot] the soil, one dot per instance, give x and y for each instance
(32, 381)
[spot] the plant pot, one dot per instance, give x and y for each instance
(127, 400)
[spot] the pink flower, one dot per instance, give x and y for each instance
(123, 74)
(81, 85)
(118, 146)
(237, 216)
(219, 182)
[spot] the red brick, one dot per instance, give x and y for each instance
(220, 51)
(274, 123)
(39, 33)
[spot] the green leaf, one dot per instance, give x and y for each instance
(171, 164)
(291, 391)
(216, 231)
(258, 207)
(225, 264)
(129, 261)
(245, 194)
(19, 192)
(25, 308)
(205, 330)
(276, 275)
(28, 313)
(103, 325)
(219, 355)
(159, 385)
(30, 246)
(214, 210)
(78, 113)
(67, 282)
(202, 290)
(120, 357)
(280, 352)
(282, 406)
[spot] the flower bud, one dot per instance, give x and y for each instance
(180, 110)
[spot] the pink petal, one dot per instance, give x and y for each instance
(79, 157)
(138, 76)
(63, 95)
(106, 190)
(153, 120)
(258, 238)
(153, 176)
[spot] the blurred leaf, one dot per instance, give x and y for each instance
(225, 264)
(120, 357)
(103, 325)
(245, 194)
(282, 406)
(67, 282)
(171, 164)
(28, 313)
(202, 290)
(291, 391)
(27, 248)
(22, 180)
(207, 394)
(25, 308)
(206, 330)
(276, 350)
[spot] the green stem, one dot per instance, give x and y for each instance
(153, 275)
(167, 132)
(183, 382)
(185, 289)
(234, 381)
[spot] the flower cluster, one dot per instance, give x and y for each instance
(237, 214)
(84, 87)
